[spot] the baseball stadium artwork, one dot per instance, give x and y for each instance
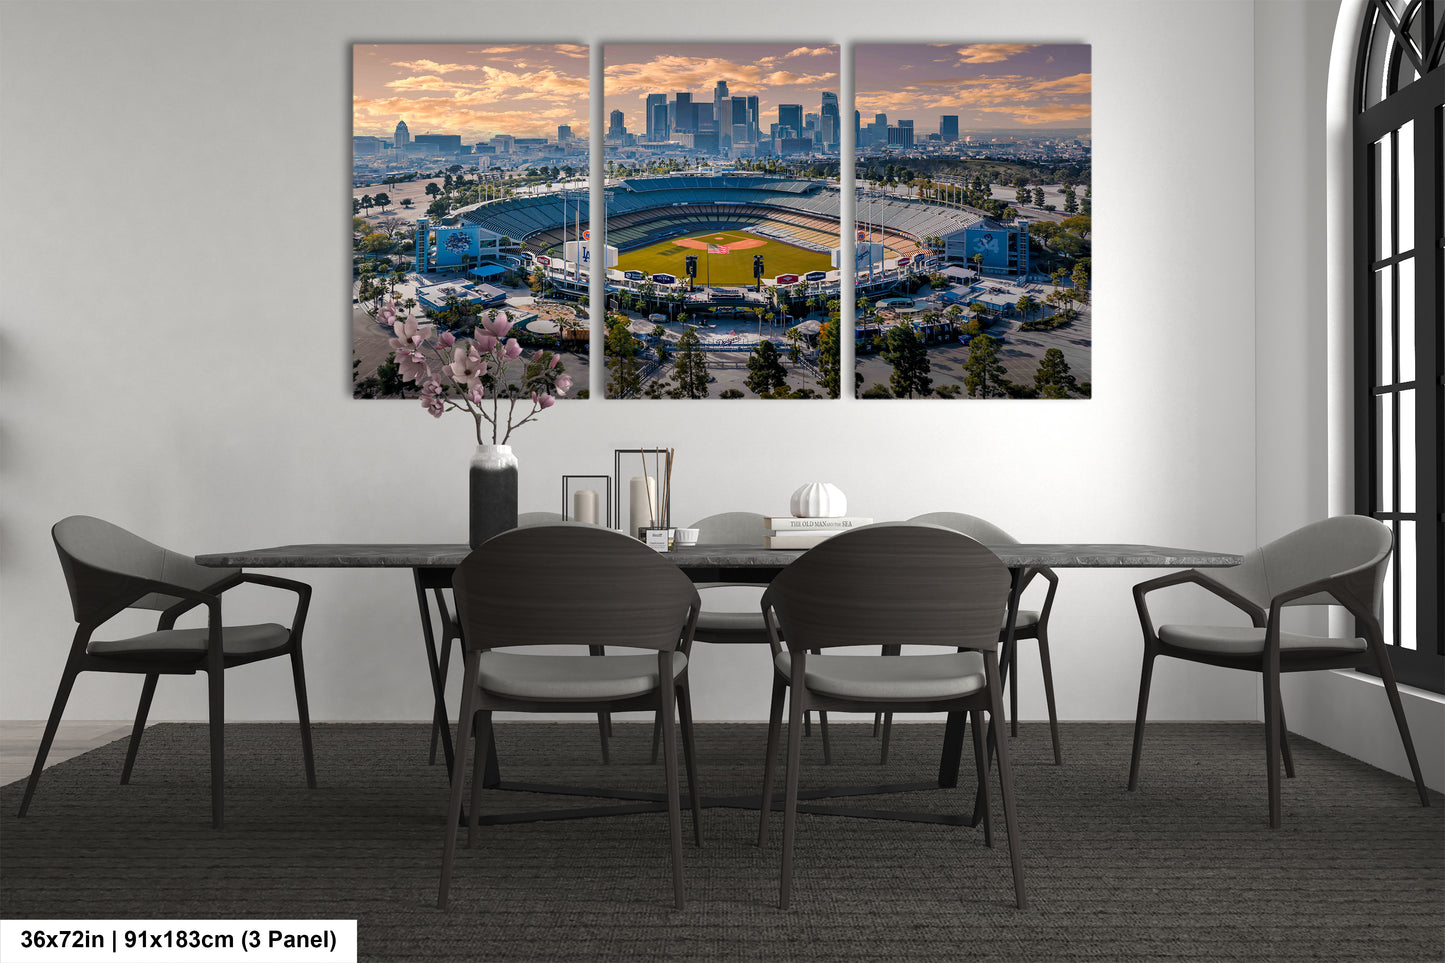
(723, 241)
(973, 209)
(469, 215)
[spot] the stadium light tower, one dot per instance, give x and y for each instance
(691, 270)
(758, 271)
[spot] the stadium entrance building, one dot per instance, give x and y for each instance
(1004, 248)
(454, 248)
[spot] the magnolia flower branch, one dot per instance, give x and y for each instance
(476, 363)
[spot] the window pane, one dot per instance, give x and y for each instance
(1385, 451)
(1384, 327)
(1407, 449)
(1409, 588)
(1384, 172)
(1405, 158)
(1407, 320)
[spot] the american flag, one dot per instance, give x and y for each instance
(717, 249)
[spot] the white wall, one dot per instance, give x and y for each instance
(174, 286)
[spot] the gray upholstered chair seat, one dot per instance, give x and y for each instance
(1246, 640)
(903, 677)
(1027, 620)
(184, 645)
(579, 677)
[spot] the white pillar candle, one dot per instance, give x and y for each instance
(644, 503)
(584, 506)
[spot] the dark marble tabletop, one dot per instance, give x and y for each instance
(422, 555)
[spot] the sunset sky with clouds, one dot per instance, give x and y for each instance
(776, 73)
(989, 86)
(475, 90)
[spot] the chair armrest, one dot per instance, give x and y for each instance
(1196, 577)
(303, 598)
(1048, 575)
(770, 622)
(1341, 587)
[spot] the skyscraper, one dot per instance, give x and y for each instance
(791, 116)
(653, 100)
(721, 112)
(615, 127)
(683, 114)
(948, 128)
(830, 123)
(564, 133)
(402, 137)
(753, 119)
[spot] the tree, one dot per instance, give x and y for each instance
(1080, 278)
(1053, 379)
(766, 373)
(984, 375)
(1026, 305)
(829, 359)
(659, 340)
(977, 260)
(1071, 201)
(1038, 197)
(624, 374)
(909, 359)
(689, 372)
(432, 190)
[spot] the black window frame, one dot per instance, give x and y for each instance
(1397, 40)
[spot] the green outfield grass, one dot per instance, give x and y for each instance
(733, 268)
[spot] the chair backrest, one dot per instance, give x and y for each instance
(974, 527)
(731, 528)
(100, 560)
(572, 585)
(892, 584)
(1318, 550)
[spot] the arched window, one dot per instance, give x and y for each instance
(1399, 268)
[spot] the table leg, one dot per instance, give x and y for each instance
(434, 664)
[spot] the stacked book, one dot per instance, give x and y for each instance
(796, 533)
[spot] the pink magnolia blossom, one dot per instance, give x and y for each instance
(553, 362)
(564, 384)
(464, 367)
(432, 387)
(447, 339)
(413, 365)
(408, 335)
(433, 404)
(476, 393)
(485, 342)
(511, 349)
(543, 402)
(499, 326)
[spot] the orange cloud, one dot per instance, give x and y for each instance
(431, 66)
(991, 53)
(810, 52)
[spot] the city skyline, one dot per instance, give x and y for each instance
(989, 87)
(474, 90)
(775, 73)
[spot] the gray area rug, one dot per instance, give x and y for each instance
(1185, 869)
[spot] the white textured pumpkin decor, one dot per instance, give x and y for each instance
(819, 500)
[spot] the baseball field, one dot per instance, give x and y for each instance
(735, 267)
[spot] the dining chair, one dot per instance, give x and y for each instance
(926, 586)
(734, 626)
(450, 637)
(1337, 561)
(109, 570)
(575, 586)
(1029, 624)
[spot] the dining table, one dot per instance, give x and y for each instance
(432, 566)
